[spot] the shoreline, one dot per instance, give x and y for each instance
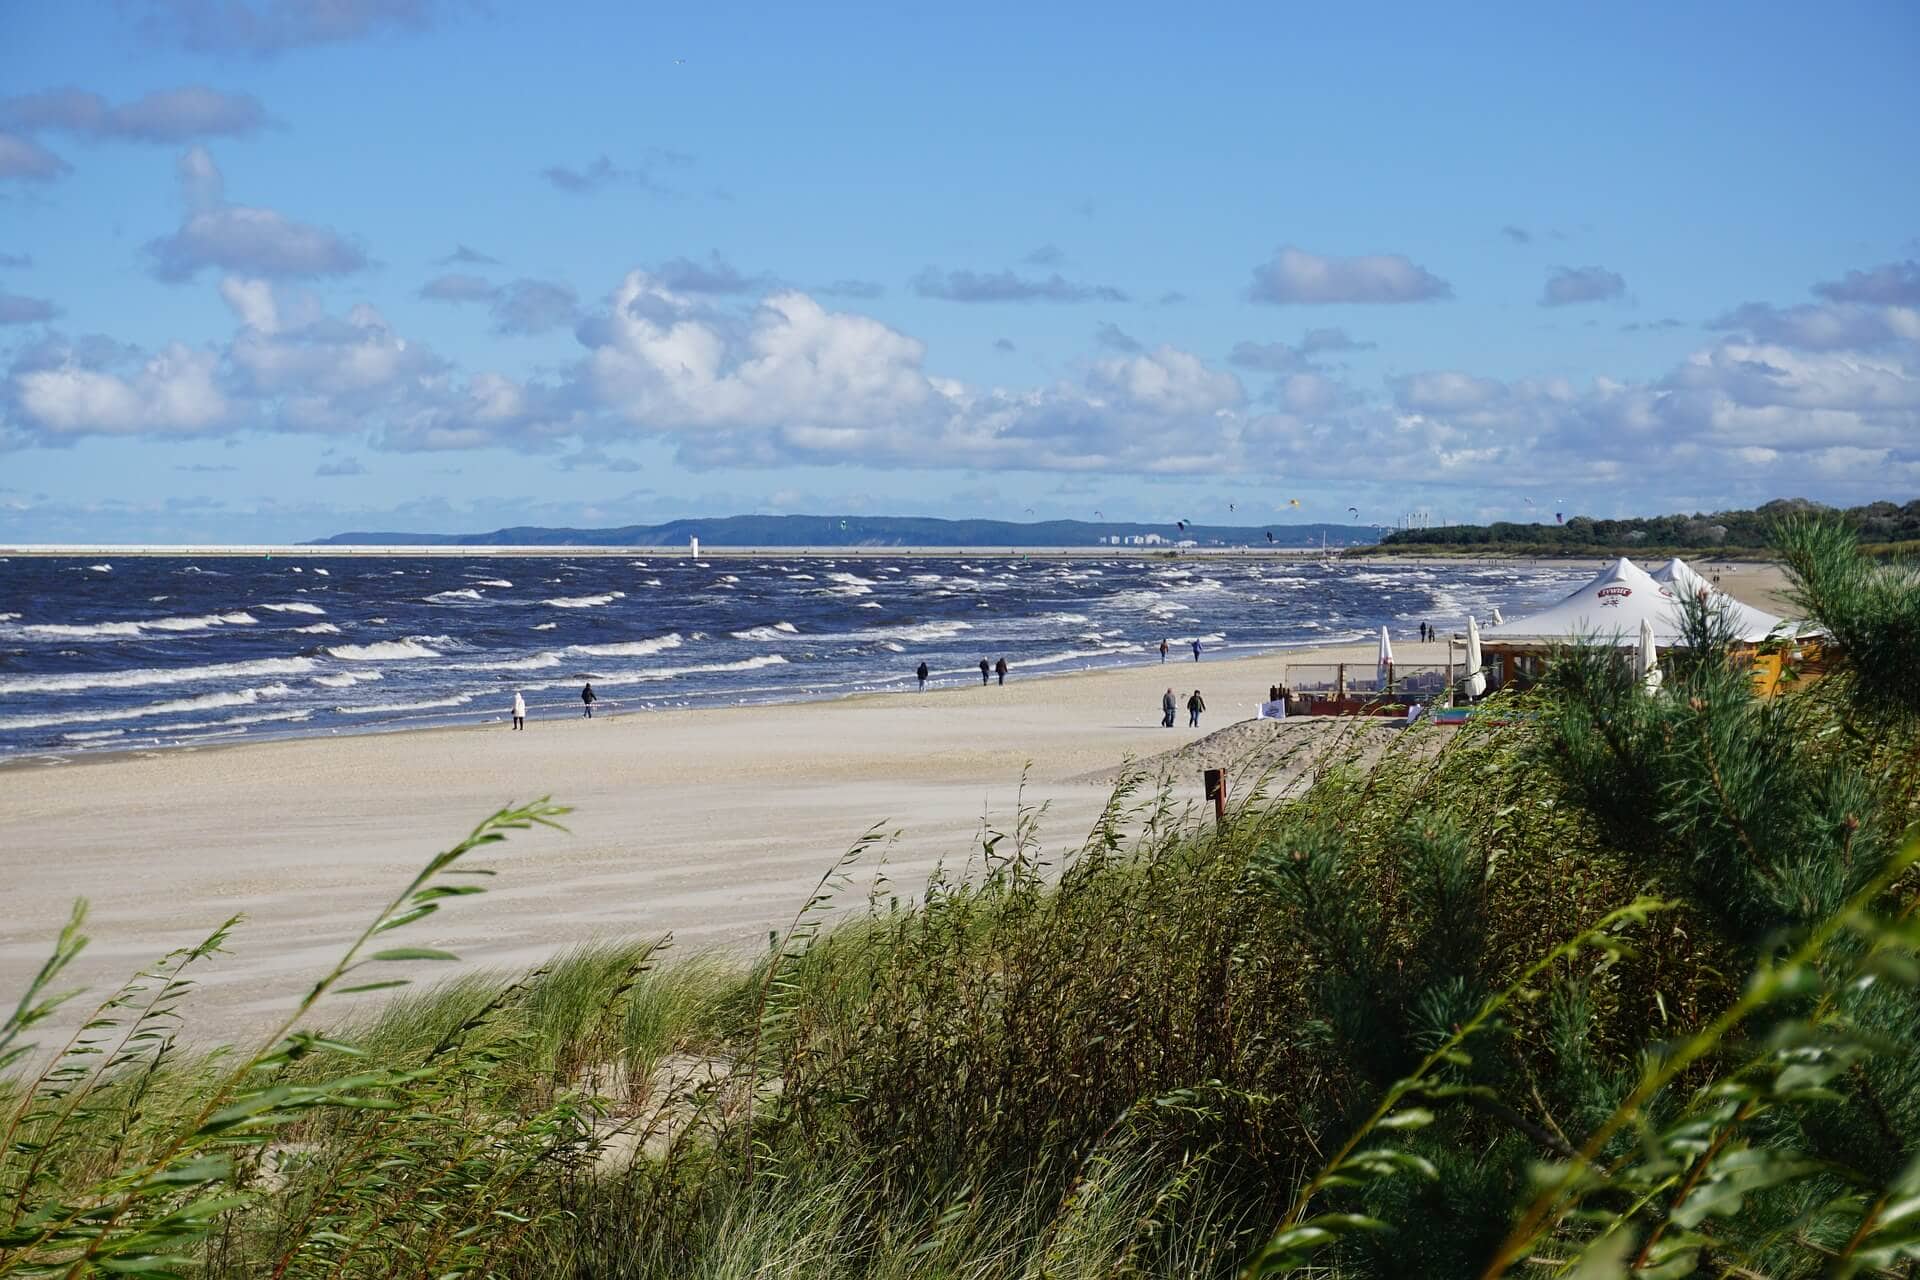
(1757, 583)
(711, 823)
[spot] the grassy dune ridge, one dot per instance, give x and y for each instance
(1616, 980)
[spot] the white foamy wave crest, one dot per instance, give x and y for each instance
(774, 632)
(449, 597)
(384, 708)
(262, 718)
(896, 648)
(116, 630)
(345, 678)
(206, 701)
(537, 662)
(585, 602)
(382, 650)
(921, 631)
(8, 617)
(493, 582)
(669, 673)
(545, 626)
(296, 607)
(318, 629)
(323, 573)
(629, 649)
(101, 568)
(93, 736)
(145, 676)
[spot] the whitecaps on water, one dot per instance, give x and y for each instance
(318, 629)
(119, 630)
(343, 679)
(382, 650)
(206, 701)
(382, 708)
(453, 597)
(585, 602)
(669, 673)
(537, 662)
(774, 632)
(629, 648)
(298, 606)
(492, 582)
(145, 676)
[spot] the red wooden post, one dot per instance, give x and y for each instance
(1216, 782)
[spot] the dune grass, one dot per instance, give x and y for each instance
(1625, 985)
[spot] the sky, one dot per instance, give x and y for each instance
(274, 269)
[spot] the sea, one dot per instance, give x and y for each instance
(140, 654)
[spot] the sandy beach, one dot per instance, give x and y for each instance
(711, 824)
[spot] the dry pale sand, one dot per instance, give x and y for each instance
(712, 824)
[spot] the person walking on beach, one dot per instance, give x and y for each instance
(921, 672)
(985, 671)
(589, 697)
(519, 710)
(1168, 707)
(1195, 705)
(1000, 669)
(1196, 648)
(1423, 633)
(1163, 653)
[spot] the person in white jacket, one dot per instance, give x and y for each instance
(519, 710)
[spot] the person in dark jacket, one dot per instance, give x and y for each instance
(1000, 669)
(1168, 708)
(921, 672)
(1195, 705)
(1163, 653)
(985, 671)
(1196, 648)
(589, 697)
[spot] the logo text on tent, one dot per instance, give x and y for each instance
(1610, 597)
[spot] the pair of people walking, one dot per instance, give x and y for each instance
(1163, 651)
(1169, 708)
(999, 668)
(587, 698)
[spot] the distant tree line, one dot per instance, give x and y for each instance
(1876, 522)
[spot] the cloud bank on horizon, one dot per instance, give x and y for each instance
(251, 272)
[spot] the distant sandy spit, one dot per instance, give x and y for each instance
(711, 824)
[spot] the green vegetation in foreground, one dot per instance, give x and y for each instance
(1626, 986)
(1884, 528)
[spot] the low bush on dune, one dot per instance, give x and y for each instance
(1629, 985)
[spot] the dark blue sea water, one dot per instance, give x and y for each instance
(144, 653)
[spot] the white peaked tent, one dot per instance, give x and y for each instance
(1385, 659)
(1610, 609)
(1679, 577)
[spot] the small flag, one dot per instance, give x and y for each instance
(1559, 518)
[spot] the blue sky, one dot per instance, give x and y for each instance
(276, 268)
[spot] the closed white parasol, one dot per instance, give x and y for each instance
(1476, 678)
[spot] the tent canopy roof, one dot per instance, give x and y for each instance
(1611, 607)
